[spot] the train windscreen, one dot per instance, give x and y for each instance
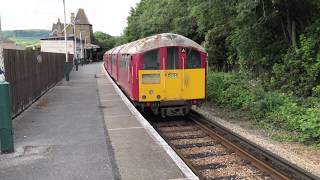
(151, 60)
(172, 58)
(193, 59)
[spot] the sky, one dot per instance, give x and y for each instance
(109, 16)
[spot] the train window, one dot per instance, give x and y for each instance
(151, 60)
(113, 59)
(172, 58)
(123, 62)
(193, 59)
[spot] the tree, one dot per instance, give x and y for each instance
(275, 40)
(105, 41)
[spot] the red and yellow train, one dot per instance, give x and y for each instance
(165, 72)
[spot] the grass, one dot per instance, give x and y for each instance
(25, 41)
(290, 118)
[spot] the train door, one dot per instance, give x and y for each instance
(172, 84)
(118, 56)
(193, 75)
(112, 63)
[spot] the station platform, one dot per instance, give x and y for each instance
(87, 129)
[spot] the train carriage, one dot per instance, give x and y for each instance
(165, 72)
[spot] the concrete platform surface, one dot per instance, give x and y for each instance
(83, 129)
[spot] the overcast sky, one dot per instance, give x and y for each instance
(108, 16)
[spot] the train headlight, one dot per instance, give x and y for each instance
(144, 97)
(150, 78)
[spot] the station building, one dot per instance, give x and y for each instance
(79, 27)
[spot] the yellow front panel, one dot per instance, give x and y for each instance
(173, 84)
(145, 88)
(194, 84)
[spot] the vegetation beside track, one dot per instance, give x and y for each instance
(300, 117)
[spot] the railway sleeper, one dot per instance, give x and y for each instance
(208, 154)
(183, 146)
(186, 137)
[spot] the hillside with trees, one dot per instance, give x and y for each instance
(264, 55)
(26, 37)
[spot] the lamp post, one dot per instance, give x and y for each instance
(81, 46)
(65, 41)
(85, 47)
(75, 57)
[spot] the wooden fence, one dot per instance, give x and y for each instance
(31, 74)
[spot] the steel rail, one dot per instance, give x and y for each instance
(267, 161)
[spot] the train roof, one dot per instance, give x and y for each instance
(154, 42)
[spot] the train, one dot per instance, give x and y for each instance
(164, 72)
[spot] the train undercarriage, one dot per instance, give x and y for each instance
(169, 108)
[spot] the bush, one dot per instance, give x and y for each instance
(298, 116)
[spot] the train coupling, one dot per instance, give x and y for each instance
(174, 111)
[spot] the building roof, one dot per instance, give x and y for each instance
(81, 17)
(154, 42)
(71, 38)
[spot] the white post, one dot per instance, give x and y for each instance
(85, 47)
(75, 39)
(65, 30)
(81, 45)
(65, 41)
(2, 77)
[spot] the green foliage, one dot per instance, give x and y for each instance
(278, 40)
(28, 34)
(26, 41)
(272, 49)
(26, 37)
(105, 41)
(236, 91)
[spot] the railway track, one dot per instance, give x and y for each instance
(214, 152)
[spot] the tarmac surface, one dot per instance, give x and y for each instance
(82, 129)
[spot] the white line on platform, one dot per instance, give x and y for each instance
(153, 133)
(117, 129)
(108, 100)
(120, 116)
(184, 179)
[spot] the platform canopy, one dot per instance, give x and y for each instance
(91, 46)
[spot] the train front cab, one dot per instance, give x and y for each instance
(171, 79)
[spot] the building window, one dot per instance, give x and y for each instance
(151, 60)
(193, 59)
(172, 58)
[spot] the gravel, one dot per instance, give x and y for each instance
(232, 170)
(301, 155)
(226, 159)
